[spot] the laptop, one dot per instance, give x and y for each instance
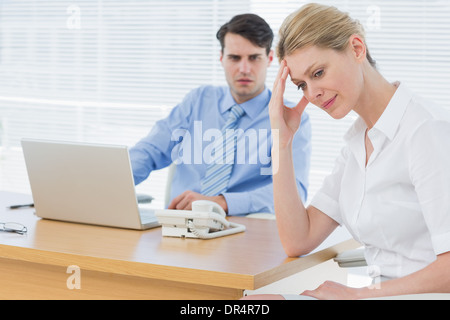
(84, 183)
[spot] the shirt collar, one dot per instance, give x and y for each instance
(393, 114)
(252, 107)
(390, 119)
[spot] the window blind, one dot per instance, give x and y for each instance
(105, 71)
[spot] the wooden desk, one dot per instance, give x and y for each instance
(127, 264)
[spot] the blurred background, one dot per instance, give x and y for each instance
(105, 71)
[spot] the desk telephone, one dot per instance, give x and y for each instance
(205, 221)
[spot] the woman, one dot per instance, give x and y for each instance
(391, 183)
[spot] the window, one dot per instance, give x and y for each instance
(105, 71)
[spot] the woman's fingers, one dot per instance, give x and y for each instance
(301, 105)
(277, 100)
(280, 72)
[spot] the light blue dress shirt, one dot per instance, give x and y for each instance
(185, 137)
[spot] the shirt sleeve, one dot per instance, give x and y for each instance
(430, 175)
(243, 203)
(327, 197)
(155, 150)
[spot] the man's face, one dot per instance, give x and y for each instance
(245, 66)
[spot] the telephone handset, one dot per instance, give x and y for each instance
(205, 221)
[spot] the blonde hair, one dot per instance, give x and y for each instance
(319, 25)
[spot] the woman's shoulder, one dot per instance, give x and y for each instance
(424, 114)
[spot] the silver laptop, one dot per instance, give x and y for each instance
(84, 183)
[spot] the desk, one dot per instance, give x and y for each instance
(127, 264)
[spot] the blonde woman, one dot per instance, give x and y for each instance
(391, 183)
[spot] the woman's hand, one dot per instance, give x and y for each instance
(284, 121)
(330, 290)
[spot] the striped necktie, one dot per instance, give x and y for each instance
(218, 172)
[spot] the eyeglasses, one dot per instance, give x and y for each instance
(13, 227)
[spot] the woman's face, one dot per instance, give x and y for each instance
(329, 79)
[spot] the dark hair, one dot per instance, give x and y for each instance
(250, 26)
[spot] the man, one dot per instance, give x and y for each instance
(193, 136)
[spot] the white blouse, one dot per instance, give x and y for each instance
(398, 206)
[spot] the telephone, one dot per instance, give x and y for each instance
(205, 221)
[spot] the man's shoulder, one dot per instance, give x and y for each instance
(210, 90)
(205, 96)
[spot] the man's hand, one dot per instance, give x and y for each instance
(184, 200)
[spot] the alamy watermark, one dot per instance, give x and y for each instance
(235, 146)
(373, 21)
(73, 22)
(74, 280)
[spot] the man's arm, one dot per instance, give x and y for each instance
(154, 151)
